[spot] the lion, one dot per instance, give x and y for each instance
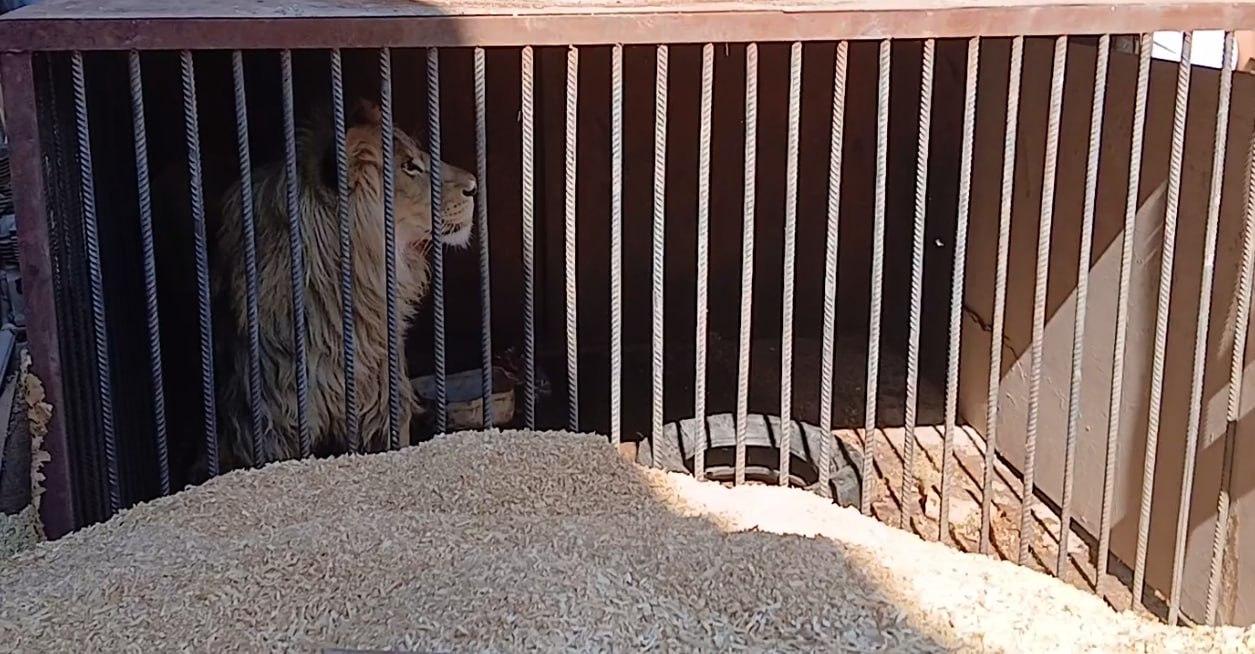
(317, 170)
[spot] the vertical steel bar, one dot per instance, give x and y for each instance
(352, 423)
(1237, 365)
(252, 311)
(703, 256)
(437, 235)
(192, 126)
(877, 277)
(660, 225)
(104, 382)
(152, 314)
(790, 261)
(1082, 295)
(572, 288)
(959, 276)
(616, 244)
(22, 112)
(1000, 286)
(836, 148)
(1116, 406)
(387, 134)
(747, 260)
(296, 244)
(529, 221)
(481, 226)
(1203, 321)
(917, 286)
(1175, 163)
(1042, 275)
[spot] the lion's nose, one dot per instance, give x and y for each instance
(469, 190)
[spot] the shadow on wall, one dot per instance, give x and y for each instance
(1104, 269)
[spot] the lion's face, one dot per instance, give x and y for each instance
(412, 176)
(413, 196)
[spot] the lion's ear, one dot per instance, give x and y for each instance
(366, 112)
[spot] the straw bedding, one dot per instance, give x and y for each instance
(512, 541)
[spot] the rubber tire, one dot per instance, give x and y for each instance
(762, 435)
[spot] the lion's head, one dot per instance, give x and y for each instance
(412, 167)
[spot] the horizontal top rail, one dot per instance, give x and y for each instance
(206, 24)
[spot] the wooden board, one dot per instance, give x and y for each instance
(142, 9)
(149, 24)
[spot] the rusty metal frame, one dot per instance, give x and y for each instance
(199, 24)
(21, 111)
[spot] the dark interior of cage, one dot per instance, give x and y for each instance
(176, 282)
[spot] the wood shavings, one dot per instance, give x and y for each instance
(510, 541)
(39, 413)
(23, 529)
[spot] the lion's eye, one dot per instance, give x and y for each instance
(412, 168)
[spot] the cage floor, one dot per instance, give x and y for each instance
(849, 401)
(922, 501)
(519, 541)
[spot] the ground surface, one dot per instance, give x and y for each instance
(519, 541)
(922, 502)
(21, 529)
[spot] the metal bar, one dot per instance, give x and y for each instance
(1242, 302)
(1175, 163)
(917, 288)
(252, 302)
(151, 313)
(22, 111)
(877, 280)
(437, 235)
(1009, 137)
(104, 382)
(747, 261)
(296, 245)
(1206, 290)
(1122, 306)
(660, 233)
(352, 422)
(959, 275)
(790, 261)
(529, 222)
(481, 226)
(1082, 295)
(387, 134)
(836, 148)
(1042, 275)
(412, 25)
(616, 244)
(201, 246)
(572, 287)
(703, 256)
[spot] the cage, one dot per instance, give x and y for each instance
(756, 242)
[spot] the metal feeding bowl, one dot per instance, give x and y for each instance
(465, 396)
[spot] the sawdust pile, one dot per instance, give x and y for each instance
(532, 541)
(24, 529)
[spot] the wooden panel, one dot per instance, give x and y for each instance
(146, 24)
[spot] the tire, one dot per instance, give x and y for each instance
(680, 439)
